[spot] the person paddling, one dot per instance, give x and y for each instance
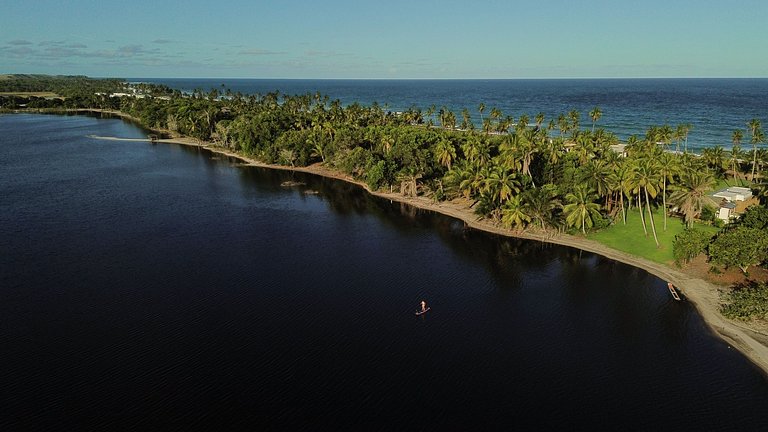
(423, 306)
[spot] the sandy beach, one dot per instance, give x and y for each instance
(703, 294)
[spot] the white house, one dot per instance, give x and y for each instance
(726, 211)
(733, 194)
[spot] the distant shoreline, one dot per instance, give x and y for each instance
(703, 294)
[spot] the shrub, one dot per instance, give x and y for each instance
(689, 244)
(746, 301)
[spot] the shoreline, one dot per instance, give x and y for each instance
(703, 294)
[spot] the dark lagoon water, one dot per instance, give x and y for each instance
(714, 107)
(160, 287)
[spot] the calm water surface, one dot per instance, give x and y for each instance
(162, 287)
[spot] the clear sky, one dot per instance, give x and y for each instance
(386, 38)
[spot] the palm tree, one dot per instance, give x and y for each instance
(466, 120)
(553, 150)
(495, 113)
(735, 156)
(686, 130)
(445, 153)
(595, 174)
(690, 196)
(450, 120)
(595, 115)
(540, 204)
(762, 159)
(645, 178)
(480, 109)
(463, 179)
(562, 124)
(756, 131)
(617, 183)
(662, 134)
(682, 134)
(575, 118)
(501, 184)
(517, 150)
(715, 159)
(487, 126)
(669, 167)
(737, 136)
(581, 209)
(522, 123)
(584, 147)
(513, 214)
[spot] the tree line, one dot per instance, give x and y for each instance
(560, 174)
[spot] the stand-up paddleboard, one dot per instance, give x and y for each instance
(423, 312)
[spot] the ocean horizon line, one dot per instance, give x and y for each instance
(453, 79)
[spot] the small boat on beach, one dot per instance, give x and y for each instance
(673, 291)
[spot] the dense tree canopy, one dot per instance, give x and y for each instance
(542, 174)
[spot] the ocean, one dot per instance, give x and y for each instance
(714, 107)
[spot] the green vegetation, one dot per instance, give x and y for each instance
(689, 244)
(66, 86)
(746, 301)
(630, 238)
(526, 174)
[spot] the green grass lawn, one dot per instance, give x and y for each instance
(631, 239)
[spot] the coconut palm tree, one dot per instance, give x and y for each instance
(595, 115)
(584, 147)
(690, 195)
(617, 183)
(756, 132)
(734, 159)
(595, 174)
(562, 124)
(715, 159)
(495, 113)
(581, 209)
(513, 213)
(662, 134)
(522, 124)
(575, 119)
(645, 178)
(737, 136)
(445, 153)
(466, 120)
(540, 204)
(501, 184)
(668, 164)
(682, 134)
(487, 126)
(465, 179)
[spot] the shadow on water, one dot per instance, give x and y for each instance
(503, 257)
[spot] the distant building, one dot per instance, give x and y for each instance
(727, 211)
(733, 194)
(733, 202)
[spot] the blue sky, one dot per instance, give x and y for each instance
(386, 38)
